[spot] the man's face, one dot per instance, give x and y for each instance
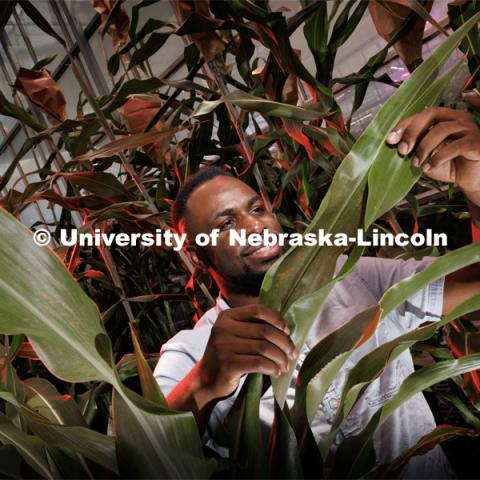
(226, 203)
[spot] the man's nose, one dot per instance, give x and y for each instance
(253, 224)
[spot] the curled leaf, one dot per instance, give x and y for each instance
(42, 90)
(389, 18)
(195, 14)
(136, 114)
(116, 20)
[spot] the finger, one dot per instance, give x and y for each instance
(434, 138)
(396, 134)
(243, 364)
(464, 147)
(407, 132)
(258, 312)
(264, 331)
(264, 348)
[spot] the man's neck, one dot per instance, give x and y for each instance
(235, 299)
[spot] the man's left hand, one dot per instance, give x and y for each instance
(445, 143)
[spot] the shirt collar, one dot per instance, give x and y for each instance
(221, 304)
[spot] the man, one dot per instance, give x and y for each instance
(201, 370)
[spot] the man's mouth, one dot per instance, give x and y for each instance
(262, 252)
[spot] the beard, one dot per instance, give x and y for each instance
(244, 280)
(247, 282)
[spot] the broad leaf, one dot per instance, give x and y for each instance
(304, 269)
(62, 324)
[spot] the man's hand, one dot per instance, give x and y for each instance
(247, 339)
(446, 145)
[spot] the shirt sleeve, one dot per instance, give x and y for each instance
(178, 356)
(379, 274)
(171, 368)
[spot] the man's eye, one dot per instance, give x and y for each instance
(258, 210)
(226, 224)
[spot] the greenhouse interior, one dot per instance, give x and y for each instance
(239, 239)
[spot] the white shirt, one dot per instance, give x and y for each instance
(362, 288)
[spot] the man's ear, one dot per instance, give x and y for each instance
(195, 257)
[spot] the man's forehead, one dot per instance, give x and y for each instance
(219, 191)
(215, 195)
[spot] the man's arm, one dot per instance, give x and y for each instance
(247, 339)
(446, 146)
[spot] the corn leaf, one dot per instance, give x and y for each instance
(303, 269)
(154, 443)
(32, 449)
(373, 364)
(61, 324)
(39, 298)
(354, 455)
(47, 401)
(425, 444)
(150, 388)
(267, 107)
(136, 140)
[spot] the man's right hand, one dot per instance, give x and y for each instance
(247, 339)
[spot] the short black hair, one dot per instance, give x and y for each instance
(179, 208)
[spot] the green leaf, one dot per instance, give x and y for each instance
(65, 323)
(417, 7)
(457, 15)
(135, 15)
(267, 107)
(100, 183)
(391, 176)
(155, 443)
(39, 20)
(29, 143)
(424, 445)
(345, 24)
(118, 97)
(243, 425)
(283, 449)
(327, 357)
(463, 409)
(80, 143)
(154, 43)
(374, 363)
(6, 11)
(11, 110)
(316, 34)
(76, 441)
(354, 453)
(150, 26)
(39, 297)
(30, 448)
(47, 401)
(150, 388)
(136, 140)
(304, 270)
(371, 366)
(44, 62)
(442, 266)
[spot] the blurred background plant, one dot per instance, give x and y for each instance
(132, 98)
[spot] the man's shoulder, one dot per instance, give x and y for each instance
(194, 340)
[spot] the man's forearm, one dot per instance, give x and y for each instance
(473, 202)
(190, 396)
